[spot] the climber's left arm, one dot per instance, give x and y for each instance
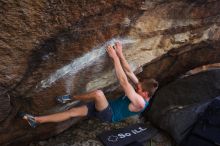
(126, 66)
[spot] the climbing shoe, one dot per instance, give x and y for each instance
(30, 119)
(63, 99)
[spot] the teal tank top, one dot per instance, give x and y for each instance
(120, 108)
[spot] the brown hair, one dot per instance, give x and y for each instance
(150, 85)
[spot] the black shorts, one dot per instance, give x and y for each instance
(104, 115)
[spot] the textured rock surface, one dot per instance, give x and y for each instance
(50, 48)
(176, 106)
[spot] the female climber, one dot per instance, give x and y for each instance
(135, 100)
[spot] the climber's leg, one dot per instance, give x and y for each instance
(97, 108)
(62, 116)
(97, 96)
(100, 107)
(100, 104)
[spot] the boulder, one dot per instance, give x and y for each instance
(177, 105)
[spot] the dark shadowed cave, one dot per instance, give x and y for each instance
(56, 47)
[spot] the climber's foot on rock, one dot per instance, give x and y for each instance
(63, 99)
(29, 118)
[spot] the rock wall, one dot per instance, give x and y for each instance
(51, 48)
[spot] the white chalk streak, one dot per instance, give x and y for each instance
(82, 62)
(69, 85)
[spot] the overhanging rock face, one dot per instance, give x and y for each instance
(54, 48)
